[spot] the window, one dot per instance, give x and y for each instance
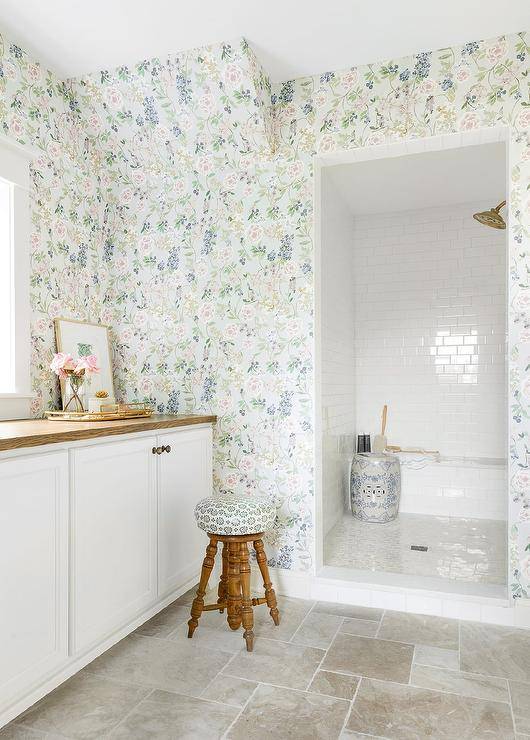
(7, 369)
(14, 280)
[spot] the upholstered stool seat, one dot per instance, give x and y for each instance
(232, 515)
(234, 521)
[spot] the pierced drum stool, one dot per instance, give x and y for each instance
(234, 522)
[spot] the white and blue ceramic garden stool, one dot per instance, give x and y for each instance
(235, 522)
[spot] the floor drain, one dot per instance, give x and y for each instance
(420, 548)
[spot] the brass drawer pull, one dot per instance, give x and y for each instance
(166, 448)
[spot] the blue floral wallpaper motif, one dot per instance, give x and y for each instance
(173, 200)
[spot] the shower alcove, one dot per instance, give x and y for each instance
(411, 312)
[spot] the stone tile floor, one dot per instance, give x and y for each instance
(472, 550)
(328, 671)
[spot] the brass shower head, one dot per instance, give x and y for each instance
(492, 218)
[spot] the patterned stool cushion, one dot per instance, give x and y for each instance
(234, 515)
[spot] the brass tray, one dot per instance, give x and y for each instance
(111, 412)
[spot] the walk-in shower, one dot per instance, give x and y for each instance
(413, 316)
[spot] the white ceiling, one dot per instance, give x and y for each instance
(292, 38)
(462, 175)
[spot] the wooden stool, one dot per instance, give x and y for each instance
(234, 585)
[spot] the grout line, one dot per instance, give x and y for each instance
(238, 715)
(376, 636)
(511, 709)
(325, 654)
(352, 700)
(128, 714)
(300, 625)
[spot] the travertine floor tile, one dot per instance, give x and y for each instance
(278, 663)
(166, 621)
(165, 664)
(520, 695)
(282, 713)
(364, 656)
(402, 712)
(420, 629)
(169, 716)
(292, 614)
(362, 627)
(317, 630)
(18, 732)
(349, 611)
(466, 684)
(86, 706)
(436, 657)
(213, 632)
(229, 690)
(334, 684)
(495, 651)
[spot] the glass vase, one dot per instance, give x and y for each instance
(74, 393)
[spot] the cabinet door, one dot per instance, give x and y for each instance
(113, 535)
(33, 570)
(185, 476)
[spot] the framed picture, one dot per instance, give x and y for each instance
(80, 339)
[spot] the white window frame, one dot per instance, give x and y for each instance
(15, 160)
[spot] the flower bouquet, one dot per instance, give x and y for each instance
(74, 373)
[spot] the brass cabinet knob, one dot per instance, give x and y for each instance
(160, 450)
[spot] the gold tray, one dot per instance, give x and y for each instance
(111, 412)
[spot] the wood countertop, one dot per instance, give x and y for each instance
(18, 433)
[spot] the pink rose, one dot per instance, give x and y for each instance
(88, 363)
(462, 74)
(233, 74)
(469, 121)
(114, 97)
(523, 119)
(61, 362)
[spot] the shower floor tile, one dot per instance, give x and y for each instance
(459, 549)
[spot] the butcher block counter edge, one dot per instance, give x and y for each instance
(18, 433)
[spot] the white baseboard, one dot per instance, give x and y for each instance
(487, 609)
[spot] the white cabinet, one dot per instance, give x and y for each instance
(95, 537)
(185, 476)
(33, 570)
(113, 537)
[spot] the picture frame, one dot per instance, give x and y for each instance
(81, 338)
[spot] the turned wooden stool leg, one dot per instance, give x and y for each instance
(198, 602)
(269, 591)
(234, 587)
(246, 608)
(222, 591)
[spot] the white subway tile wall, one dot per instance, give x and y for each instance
(430, 330)
(461, 489)
(338, 362)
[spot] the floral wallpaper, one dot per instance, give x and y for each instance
(66, 209)
(174, 202)
(478, 84)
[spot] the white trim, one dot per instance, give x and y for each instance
(15, 161)
(26, 150)
(466, 607)
(443, 142)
